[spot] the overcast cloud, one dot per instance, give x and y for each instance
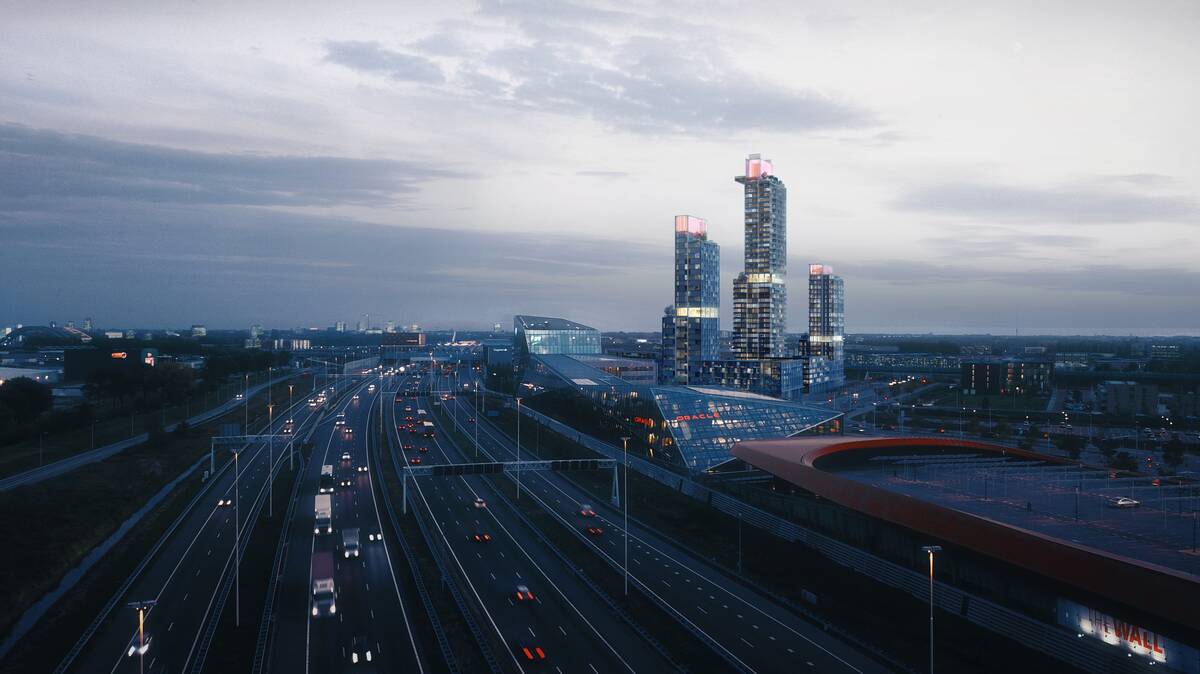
(963, 167)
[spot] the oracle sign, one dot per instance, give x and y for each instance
(1127, 636)
(697, 417)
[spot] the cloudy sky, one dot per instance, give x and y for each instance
(963, 165)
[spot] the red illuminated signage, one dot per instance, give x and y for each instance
(649, 423)
(120, 355)
(697, 417)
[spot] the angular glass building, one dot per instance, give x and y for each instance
(687, 428)
(759, 293)
(694, 321)
(542, 335)
(826, 330)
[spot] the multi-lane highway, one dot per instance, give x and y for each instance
(537, 606)
(184, 575)
(747, 629)
(372, 612)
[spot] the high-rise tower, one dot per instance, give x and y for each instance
(759, 293)
(690, 327)
(826, 330)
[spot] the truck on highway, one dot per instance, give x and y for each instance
(326, 484)
(350, 542)
(324, 592)
(324, 515)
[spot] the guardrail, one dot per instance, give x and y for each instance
(484, 648)
(418, 579)
(267, 624)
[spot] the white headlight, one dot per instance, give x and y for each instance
(332, 609)
(314, 610)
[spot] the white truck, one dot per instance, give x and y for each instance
(324, 592)
(325, 486)
(350, 542)
(324, 515)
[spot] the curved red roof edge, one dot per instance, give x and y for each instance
(1160, 591)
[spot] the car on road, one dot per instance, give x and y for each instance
(480, 503)
(1123, 502)
(360, 649)
(532, 653)
(345, 481)
(524, 593)
(347, 432)
(594, 531)
(362, 469)
(354, 397)
(406, 446)
(482, 537)
(340, 420)
(374, 536)
(470, 420)
(239, 397)
(224, 502)
(423, 449)
(416, 461)
(346, 456)
(585, 509)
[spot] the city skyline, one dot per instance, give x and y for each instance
(264, 165)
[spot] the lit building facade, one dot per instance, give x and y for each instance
(759, 293)
(691, 327)
(542, 335)
(826, 330)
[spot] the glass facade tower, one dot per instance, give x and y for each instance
(692, 335)
(826, 329)
(759, 293)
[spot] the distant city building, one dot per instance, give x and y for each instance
(114, 334)
(70, 324)
(252, 343)
(256, 331)
(291, 344)
(759, 292)
(1165, 352)
(1128, 398)
(130, 334)
(362, 327)
(691, 326)
(826, 330)
(390, 326)
(87, 324)
(902, 362)
(1006, 376)
(402, 342)
(497, 352)
(497, 327)
(340, 326)
(199, 331)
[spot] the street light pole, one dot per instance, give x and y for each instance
(271, 457)
(293, 430)
(477, 420)
(237, 541)
(518, 449)
(246, 406)
(930, 549)
(141, 607)
(625, 499)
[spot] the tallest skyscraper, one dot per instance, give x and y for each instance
(759, 293)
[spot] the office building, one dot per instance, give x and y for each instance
(1128, 398)
(256, 331)
(826, 330)
(1006, 376)
(692, 325)
(87, 324)
(390, 326)
(199, 331)
(776, 377)
(542, 335)
(759, 293)
(340, 326)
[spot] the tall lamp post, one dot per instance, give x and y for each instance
(476, 420)
(293, 430)
(625, 499)
(237, 541)
(246, 406)
(930, 549)
(518, 449)
(141, 607)
(270, 459)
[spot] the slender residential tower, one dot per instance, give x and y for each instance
(759, 293)
(826, 330)
(690, 327)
